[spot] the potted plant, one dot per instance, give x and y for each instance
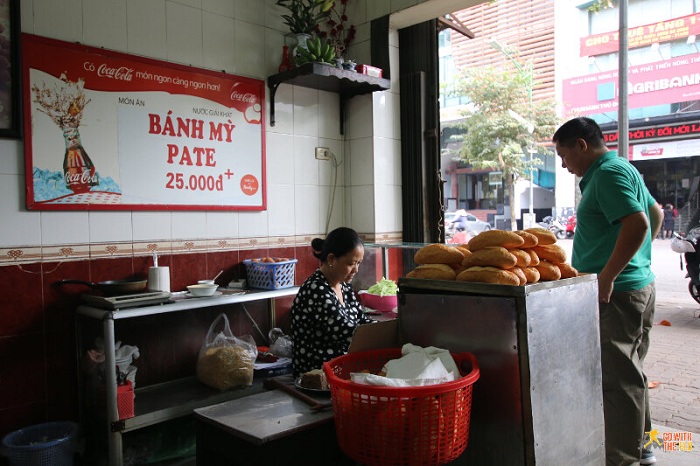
(335, 30)
(304, 15)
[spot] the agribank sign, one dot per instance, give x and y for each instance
(663, 82)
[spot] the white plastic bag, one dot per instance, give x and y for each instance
(226, 361)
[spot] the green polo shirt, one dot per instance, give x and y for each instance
(611, 189)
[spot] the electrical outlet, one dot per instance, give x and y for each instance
(323, 153)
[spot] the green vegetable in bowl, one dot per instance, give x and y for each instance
(384, 287)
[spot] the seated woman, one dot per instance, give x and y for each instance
(326, 311)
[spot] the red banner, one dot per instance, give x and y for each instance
(664, 82)
(641, 36)
(111, 131)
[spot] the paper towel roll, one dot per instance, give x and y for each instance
(159, 279)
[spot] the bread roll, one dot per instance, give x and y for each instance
(567, 271)
(532, 274)
(464, 249)
(489, 275)
(534, 258)
(548, 271)
(495, 256)
(544, 236)
(522, 257)
(438, 254)
(551, 252)
(520, 273)
(506, 239)
(433, 272)
(530, 239)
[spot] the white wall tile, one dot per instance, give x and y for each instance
(218, 39)
(253, 224)
(394, 75)
(252, 11)
(184, 33)
(64, 228)
(59, 20)
(306, 167)
(332, 171)
(383, 121)
(377, 9)
(274, 41)
(362, 208)
(18, 226)
(306, 111)
(307, 218)
(110, 226)
(387, 162)
(12, 158)
(152, 225)
(281, 210)
(189, 225)
(329, 115)
(107, 26)
(225, 8)
(279, 155)
(249, 38)
(361, 161)
(358, 118)
(388, 209)
(337, 213)
(222, 224)
(284, 109)
(146, 28)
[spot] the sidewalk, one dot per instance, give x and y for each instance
(673, 362)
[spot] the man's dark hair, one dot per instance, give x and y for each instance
(579, 128)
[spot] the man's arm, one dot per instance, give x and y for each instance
(632, 234)
(656, 218)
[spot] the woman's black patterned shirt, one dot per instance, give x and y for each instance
(322, 327)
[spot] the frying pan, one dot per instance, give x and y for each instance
(110, 287)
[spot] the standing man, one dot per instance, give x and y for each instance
(617, 220)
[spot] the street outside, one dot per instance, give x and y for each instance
(673, 362)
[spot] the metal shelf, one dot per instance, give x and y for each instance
(325, 77)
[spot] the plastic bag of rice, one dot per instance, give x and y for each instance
(226, 361)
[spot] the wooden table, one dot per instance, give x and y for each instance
(269, 428)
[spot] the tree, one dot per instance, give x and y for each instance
(493, 137)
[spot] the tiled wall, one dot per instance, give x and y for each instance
(37, 338)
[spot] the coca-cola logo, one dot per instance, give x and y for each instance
(122, 73)
(248, 97)
(83, 177)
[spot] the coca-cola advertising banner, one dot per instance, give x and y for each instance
(110, 131)
(642, 36)
(662, 82)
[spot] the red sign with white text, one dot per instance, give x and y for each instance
(663, 82)
(642, 36)
(111, 131)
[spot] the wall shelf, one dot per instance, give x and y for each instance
(325, 77)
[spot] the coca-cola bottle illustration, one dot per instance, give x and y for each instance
(78, 169)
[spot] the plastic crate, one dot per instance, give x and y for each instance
(270, 275)
(49, 444)
(388, 426)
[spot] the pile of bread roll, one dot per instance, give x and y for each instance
(496, 256)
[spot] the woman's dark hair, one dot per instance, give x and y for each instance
(579, 128)
(338, 242)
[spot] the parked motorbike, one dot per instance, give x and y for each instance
(562, 229)
(689, 247)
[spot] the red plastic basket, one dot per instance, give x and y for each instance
(387, 426)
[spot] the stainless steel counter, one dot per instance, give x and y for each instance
(539, 398)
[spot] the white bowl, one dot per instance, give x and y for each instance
(205, 282)
(202, 289)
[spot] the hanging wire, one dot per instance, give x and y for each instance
(335, 163)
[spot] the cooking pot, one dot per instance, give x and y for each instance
(111, 287)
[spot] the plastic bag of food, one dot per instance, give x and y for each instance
(280, 344)
(226, 361)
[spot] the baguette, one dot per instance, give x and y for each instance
(544, 236)
(548, 271)
(551, 252)
(438, 254)
(567, 271)
(530, 239)
(495, 256)
(433, 272)
(489, 275)
(506, 239)
(531, 274)
(522, 257)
